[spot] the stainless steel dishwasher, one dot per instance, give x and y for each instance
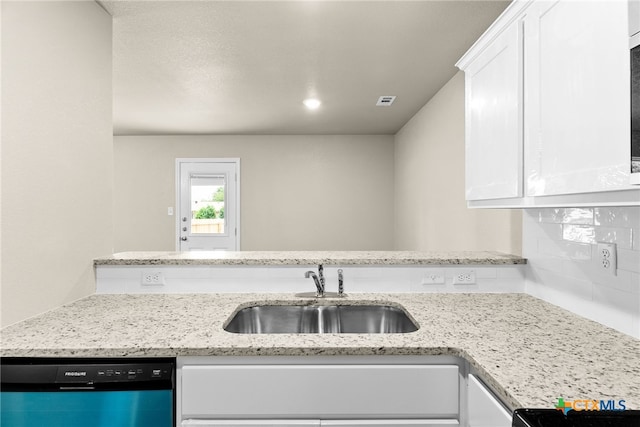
(87, 392)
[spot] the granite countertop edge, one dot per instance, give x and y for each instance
(273, 258)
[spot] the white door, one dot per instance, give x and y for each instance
(208, 200)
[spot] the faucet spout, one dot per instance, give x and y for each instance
(319, 287)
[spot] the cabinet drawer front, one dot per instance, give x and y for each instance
(250, 423)
(320, 391)
(390, 423)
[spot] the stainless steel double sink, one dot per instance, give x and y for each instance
(321, 319)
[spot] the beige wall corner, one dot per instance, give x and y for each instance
(298, 192)
(57, 153)
(431, 212)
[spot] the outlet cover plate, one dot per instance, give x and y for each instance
(152, 278)
(607, 258)
(464, 277)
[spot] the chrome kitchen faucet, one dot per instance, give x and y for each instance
(319, 281)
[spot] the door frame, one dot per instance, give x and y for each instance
(179, 161)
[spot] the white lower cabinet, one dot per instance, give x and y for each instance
(329, 391)
(320, 391)
(332, 423)
(374, 391)
(483, 409)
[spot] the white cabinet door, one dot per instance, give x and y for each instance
(389, 423)
(483, 409)
(493, 115)
(319, 391)
(577, 119)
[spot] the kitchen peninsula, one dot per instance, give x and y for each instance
(528, 351)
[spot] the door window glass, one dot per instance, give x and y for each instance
(207, 204)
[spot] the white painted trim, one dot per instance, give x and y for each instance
(626, 197)
(179, 161)
(510, 14)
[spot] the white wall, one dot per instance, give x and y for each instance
(56, 152)
(335, 192)
(309, 192)
(431, 212)
(560, 245)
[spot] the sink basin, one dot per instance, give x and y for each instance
(321, 319)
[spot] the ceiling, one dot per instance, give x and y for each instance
(244, 67)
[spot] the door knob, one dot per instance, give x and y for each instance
(184, 228)
(184, 219)
(183, 238)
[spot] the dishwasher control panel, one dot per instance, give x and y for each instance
(112, 373)
(96, 373)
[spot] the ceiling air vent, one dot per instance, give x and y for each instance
(385, 101)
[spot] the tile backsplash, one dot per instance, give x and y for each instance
(560, 245)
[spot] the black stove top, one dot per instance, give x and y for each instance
(556, 418)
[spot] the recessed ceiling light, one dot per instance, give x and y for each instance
(312, 103)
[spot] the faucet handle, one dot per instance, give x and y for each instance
(321, 276)
(340, 283)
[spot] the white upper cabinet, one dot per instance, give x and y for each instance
(577, 101)
(493, 116)
(548, 107)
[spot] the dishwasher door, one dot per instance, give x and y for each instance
(73, 393)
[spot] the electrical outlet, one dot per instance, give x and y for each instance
(464, 277)
(153, 278)
(607, 257)
(433, 278)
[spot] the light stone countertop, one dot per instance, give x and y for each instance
(529, 351)
(308, 258)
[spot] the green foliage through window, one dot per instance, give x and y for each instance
(218, 196)
(206, 212)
